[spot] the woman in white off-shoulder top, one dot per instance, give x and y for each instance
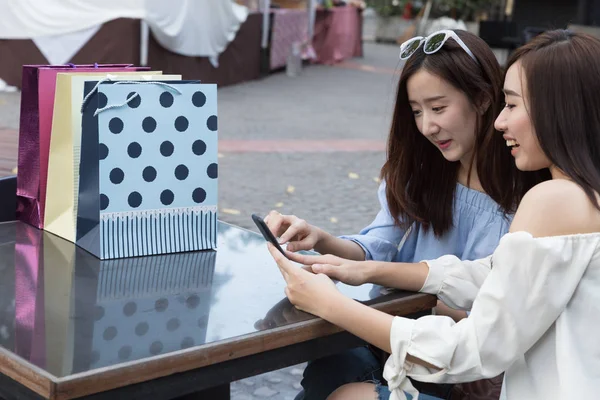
(535, 302)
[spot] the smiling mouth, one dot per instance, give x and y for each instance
(512, 144)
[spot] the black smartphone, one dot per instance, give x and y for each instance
(266, 232)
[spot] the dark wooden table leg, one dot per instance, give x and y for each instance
(216, 393)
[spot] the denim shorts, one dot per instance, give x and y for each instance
(323, 376)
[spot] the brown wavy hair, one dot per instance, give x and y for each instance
(420, 182)
(562, 70)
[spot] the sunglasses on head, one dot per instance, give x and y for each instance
(432, 43)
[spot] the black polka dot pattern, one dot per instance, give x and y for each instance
(173, 324)
(199, 195)
(103, 151)
(211, 123)
(149, 124)
(212, 171)
(159, 154)
(129, 309)
(199, 147)
(102, 100)
(134, 150)
(149, 174)
(167, 197)
(117, 175)
(125, 352)
(167, 148)
(142, 328)
(134, 199)
(181, 124)
(115, 125)
(187, 342)
(135, 101)
(109, 333)
(166, 99)
(104, 202)
(161, 305)
(198, 99)
(181, 172)
(156, 348)
(193, 301)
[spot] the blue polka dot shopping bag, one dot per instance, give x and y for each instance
(148, 169)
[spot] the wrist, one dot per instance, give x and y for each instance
(322, 238)
(333, 306)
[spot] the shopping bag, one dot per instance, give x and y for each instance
(148, 169)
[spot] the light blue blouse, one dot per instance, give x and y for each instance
(478, 225)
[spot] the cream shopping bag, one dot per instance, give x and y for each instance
(65, 143)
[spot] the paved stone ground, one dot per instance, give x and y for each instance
(335, 190)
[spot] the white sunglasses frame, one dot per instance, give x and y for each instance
(423, 42)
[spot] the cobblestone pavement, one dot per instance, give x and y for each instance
(348, 106)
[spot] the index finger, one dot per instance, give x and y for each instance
(307, 259)
(284, 264)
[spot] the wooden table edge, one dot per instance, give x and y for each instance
(27, 374)
(103, 379)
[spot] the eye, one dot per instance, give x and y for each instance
(509, 106)
(437, 109)
(416, 113)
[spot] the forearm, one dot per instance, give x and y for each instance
(371, 325)
(406, 276)
(329, 244)
(363, 321)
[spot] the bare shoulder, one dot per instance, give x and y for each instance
(556, 207)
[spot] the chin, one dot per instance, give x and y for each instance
(451, 156)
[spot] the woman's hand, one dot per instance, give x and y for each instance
(307, 291)
(354, 273)
(296, 232)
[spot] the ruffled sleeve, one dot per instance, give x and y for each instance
(456, 282)
(529, 286)
(381, 238)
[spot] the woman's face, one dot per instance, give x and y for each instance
(444, 115)
(515, 123)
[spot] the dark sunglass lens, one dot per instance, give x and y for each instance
(410, 49)
(434, 43)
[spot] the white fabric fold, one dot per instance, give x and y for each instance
(198, 28)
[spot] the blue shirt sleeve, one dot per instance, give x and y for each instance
(381, 238)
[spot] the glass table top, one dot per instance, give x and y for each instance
(66, 311)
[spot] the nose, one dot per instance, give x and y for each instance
(500, 123)
(429, 127)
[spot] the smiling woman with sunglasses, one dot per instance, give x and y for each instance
(449, 185)
(535, 301)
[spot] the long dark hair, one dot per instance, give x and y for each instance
(420, 182)
(562, 71)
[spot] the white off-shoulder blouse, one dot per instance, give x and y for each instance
(535, 314)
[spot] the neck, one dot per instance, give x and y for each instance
(557, 173)
(469, 180)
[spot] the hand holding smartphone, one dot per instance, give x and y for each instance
(266, 232)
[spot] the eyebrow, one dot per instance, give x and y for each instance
(509, 92)
(429, 99)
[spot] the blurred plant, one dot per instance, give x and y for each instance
(467, 10)
(390, 8)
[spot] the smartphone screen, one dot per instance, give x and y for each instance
(266, 232)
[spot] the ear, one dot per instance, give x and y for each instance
(483, 106)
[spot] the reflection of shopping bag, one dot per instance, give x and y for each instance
(148, 170)
(63, 164)
(30, 336)
(143, 306)
(37, 103)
